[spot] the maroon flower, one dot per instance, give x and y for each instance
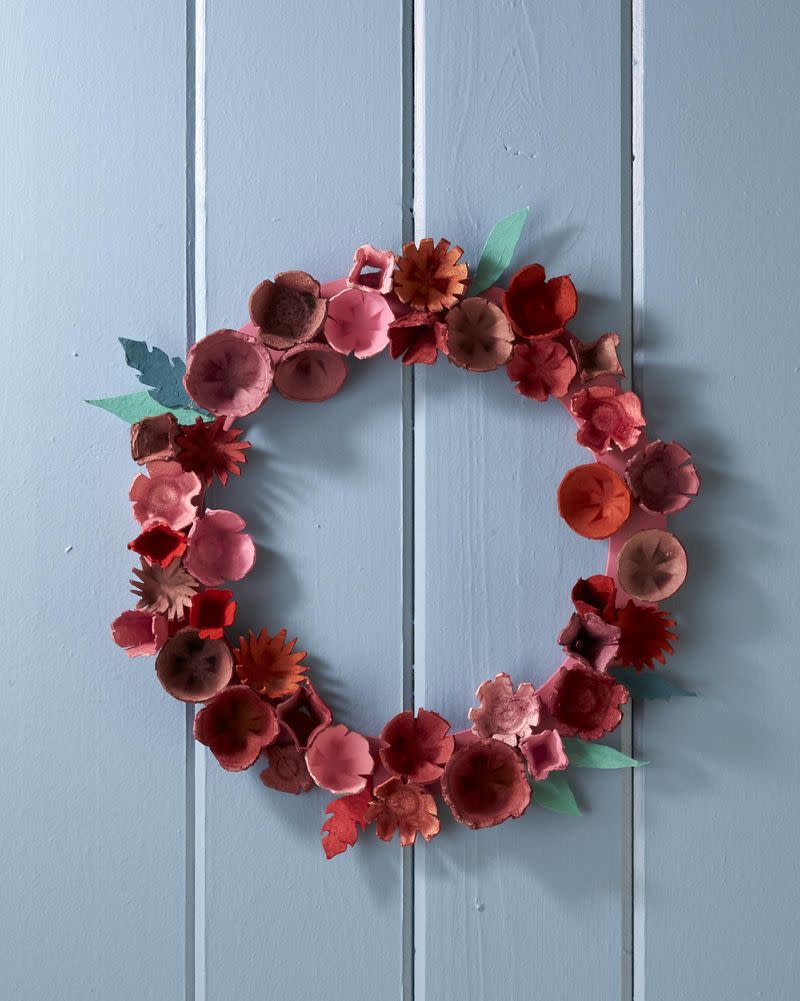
(304, 714)
(208, 449)
(211, 612)
(235, 726)
(288, 310)
(416, 749)
(153, 438)
(193, 669)
(541, 368)
(598, 358)
(287, 770)
(662, 477)
(418, 337)
(539, 308)
(590, 639)
(159, 544)
(595, 594)
(585, 703)
(484, 784)
(608, 416)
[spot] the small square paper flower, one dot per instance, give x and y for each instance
(598, 358)
(541, 368)
(585, 703)
(371, 271)
(167, 494)
(192, 669)
(139, 633)
(608, 417)
(416, 748)
(211, 612)
(544, 753)
(430, 278)
(536, 307)
(340, 760)
(662, 477)
(485, 784)
(153, 438)
(505, 714)
(406, 807)
(358, 322)
(228, 373)
(304, 715)
(208, 449)
(479, 338)
(418, 337)
(218, 549)
(235, 726)
(159, 544)
(590, 639)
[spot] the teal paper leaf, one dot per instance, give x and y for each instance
(586, 754)
(134, 407)
(554, 793)
(498, 251)
(648, 686)
(162, 375)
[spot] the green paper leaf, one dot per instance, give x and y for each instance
(648, 686)
(554, 793)
(134, 406)
(587, 754)
(498, 251)
(162, 375)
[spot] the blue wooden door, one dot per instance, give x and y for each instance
(156, 162)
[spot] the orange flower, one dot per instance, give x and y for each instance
(269, 665)
(593, 500)
(430, 278)
(406, 806)
(646, 635)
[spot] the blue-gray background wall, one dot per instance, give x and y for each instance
(156, 161)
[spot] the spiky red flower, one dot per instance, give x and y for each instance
(209, 450)
(646, 635)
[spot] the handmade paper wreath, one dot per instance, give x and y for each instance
(258, 699)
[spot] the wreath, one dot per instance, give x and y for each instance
(258, 701)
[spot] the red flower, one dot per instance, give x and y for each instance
(416, 749)
(595, 594)
(235, 726)
(539, 308)
(209, 450)
(608, 416)
(541, 368)
(484, 784)
(304, 714)
(287, 770)
(211, 612)
(159, 544)
(585, 703)
(662, 477)
(646, 635)
(406, 806)
(418, 336)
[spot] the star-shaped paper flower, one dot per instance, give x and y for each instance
(503, 713)
(430, 278)
(269, 664)
(647, 635)
(208, 449)
(404, 806)
(167, 589)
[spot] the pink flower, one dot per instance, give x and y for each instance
(310, 373)
(339, 760)
(218, 548)
(484, 784)
(140, 633)
(505, 714)
(371, 272)
(608, 416)
(541, 368)
(544, 753)
(358, 322)
(235, 726)
(590, 639)
(168, 495)
(662, 477)
(228, 373)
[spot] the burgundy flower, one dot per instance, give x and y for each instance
(416, 749)
(153, 438)
(647, 636)
(479, 337)
(418, 337)
(585, 703)
(539, 308)
(651, 565)
(404, 806)
(193, 669)
(589, 638)
(287, 770)
(235, 726)
(288, 310)
(598, 358)
(544, 753)
(662, 477)
(159, 544)
(595, 594)
(208, 449)
(541, 368)
(608, 416)
(211, 612)
(304, 714)
(484, 784)
(503, 713)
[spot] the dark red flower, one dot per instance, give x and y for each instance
(485, 783)
(304, 714)
(541, 368)
(193, 669)
(153, 438)
(287, 770)
(159, 544)
(585, 703)
(211, 612)
(235, 726)
(208, 450)
(539, 308)
(646, 635)
(288, 310)
(590, 639)
(595, 594)
(418, 337)
(662, 477)
(416, 748)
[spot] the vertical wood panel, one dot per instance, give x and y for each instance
(720, 373)
(522, 106)
(91, 750)
(304, 110)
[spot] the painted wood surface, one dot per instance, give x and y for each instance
(131, 866)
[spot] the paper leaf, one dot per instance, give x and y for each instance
(498, 251)
(586, 754)
(134, 407)
(346, 817)
(554, 793)
(649, 685)
(164, 376)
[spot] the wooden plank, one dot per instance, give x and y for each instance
(304, 113)
(720, 272)
(92, 752)
(522, 106)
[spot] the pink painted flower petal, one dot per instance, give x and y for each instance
(485, 783)
(503, 713)
(228, 373)
(310, 373)
(218, 550)
(371, 271)
(589, 638)
(167, 494)
(544, 753)
(662, 478)
(339, 760)
(140, 633)
(358, 322)
(651, 565)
